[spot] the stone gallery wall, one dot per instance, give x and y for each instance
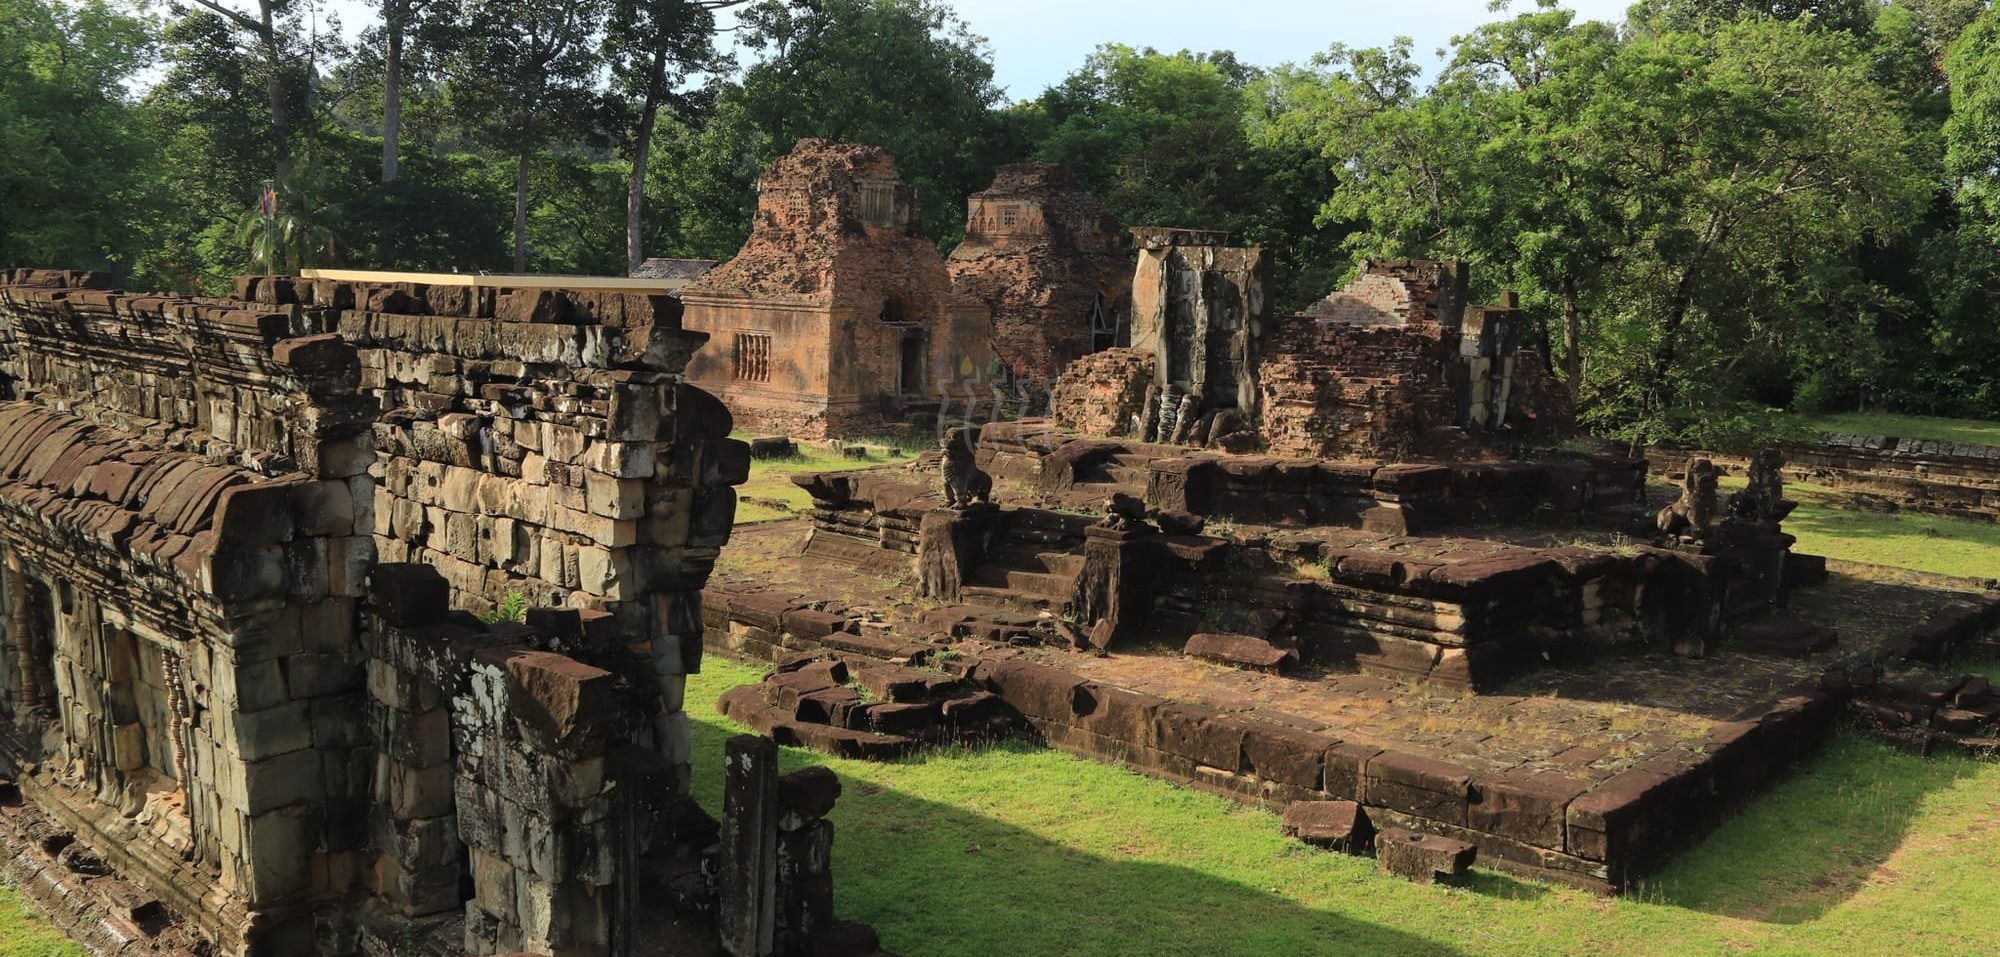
(184, 554)
(299, 749)
(1961, 480)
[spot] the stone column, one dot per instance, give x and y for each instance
(20, 624)
(1111, 591)
(949, 543)
(747, 916)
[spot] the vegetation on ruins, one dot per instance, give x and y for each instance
(1712, 209)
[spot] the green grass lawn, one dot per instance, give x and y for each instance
(771, 479)
(1023, 851)
(23, 933)
(1909, 427)
(1926, 543)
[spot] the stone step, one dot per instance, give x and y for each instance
(1051, 586)
(1029, 558)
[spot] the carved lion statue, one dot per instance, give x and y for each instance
(964, 482)
(1690, 516)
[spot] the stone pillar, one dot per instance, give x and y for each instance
(747, 916)
(804, 859)
(20, 624)
(949, 543)
(1112, 590)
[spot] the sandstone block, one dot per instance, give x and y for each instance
(565, 705)
(1423, 858)
(1334, 825)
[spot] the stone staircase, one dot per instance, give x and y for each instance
(1035, 564)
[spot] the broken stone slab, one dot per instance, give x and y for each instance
(1334, 825)
(773, 447)
(1241, 651)
(1423, 858)
(805, 796)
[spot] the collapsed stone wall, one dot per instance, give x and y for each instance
(1046, 258)
(300, 749)
(1392, 367)
(184, 548)
(1340, 389)
(1398, 292)
(1103, 393)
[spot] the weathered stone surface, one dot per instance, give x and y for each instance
(1242, 651)
(836, 307)
(1334, 825)
(1423, 858)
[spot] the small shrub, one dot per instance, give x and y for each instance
(514, 607)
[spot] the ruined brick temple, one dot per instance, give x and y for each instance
(1393, 364)
(837, 315)
(348, 617)
(1338, 564)
(1049, 262)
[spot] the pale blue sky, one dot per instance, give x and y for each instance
(1035, 43)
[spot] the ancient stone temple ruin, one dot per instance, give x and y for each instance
(1334, 564)
(1047, 259)
(1393, 364)
(348, 617)
(1200, 307)
(837, 315)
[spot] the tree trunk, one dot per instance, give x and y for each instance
(521, 212)
(1572, 335)
(274, 88)
(392, 89)
(642, 148)
(1659, 392)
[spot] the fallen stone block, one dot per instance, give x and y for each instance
(1334, 825)
(773, 447)
(1241, 651)
(1423, 858)
(805, 796)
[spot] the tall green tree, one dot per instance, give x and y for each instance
(903, 74)
(1700, 192)
(74, 163)
(653, 47)
(524, 79)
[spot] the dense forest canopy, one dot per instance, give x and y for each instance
(1712, 209)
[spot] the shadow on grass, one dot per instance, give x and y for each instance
(1814, 840)
(938, 880)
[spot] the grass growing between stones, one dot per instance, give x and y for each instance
(1975, 431)
(770, 494)
(1020, 850)
(23, 933)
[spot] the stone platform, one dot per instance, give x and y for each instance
(1588, 775)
